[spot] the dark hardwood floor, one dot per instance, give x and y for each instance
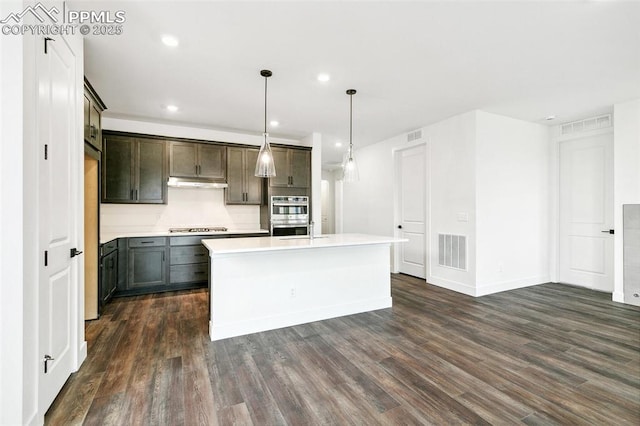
(549, 354)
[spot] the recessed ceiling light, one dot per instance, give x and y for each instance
(550, 117)
(338, 144)
(274, 123)
(170, 40)
(172, 108)
(324, 77)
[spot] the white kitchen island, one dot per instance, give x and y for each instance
(264, 283)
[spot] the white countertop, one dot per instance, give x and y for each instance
(247, 245)
(104, 238)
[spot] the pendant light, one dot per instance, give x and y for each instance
(349, 167)
(264, 165)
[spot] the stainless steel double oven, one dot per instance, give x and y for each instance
(289, 215)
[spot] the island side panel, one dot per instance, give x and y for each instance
(258, 291)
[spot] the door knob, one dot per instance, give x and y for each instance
(399, 226)
(75, 252)
(609, 231)
(47, 358)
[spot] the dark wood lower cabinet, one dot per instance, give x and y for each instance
(147, 267)
(157, 264)
(109, 278)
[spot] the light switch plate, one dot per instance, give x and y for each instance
(462, 217)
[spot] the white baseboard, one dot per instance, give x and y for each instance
(256, 325)
(452, 285)
(486, 289)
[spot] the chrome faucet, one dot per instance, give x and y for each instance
(311, 230)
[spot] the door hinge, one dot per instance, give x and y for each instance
(46, 151)
(46, 258)
(47, 39)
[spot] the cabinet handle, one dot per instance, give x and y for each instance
(131, 195)
(93, 132)
(196, 167)
(199, 255)
(146, 242)
(136, 191)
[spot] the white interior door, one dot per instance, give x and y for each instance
(586, 212)
(57, 217)
(411, 191)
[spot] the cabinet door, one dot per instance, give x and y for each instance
(147, 267)
(151, 174)
(117, 176)
(87, 113)
(212, 162)
(281, 162)
(95, 133)
(183, 159)
(253, 184)
(234, 193)
(109, 276)
(300, 168)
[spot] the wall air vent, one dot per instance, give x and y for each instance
(414, 136)
(452, 251)
(586, 125)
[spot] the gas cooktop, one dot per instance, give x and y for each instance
(196, 230)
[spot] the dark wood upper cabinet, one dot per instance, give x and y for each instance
(293, 168)
(244, 187)
(93, 107)
(134, 170)
(150, 171)
(197, 160)
(117, 163)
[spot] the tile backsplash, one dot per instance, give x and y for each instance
(186, 207)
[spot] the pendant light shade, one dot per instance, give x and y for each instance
(264, 165)
(349, 166)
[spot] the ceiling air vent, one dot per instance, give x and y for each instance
(415, 135)
(588, 124)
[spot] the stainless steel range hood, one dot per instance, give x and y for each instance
(176, 182)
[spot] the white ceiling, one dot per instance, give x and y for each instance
(412, 63)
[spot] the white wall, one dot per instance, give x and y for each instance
(367, 203)
(512, 203)
(450, 191)
(12, 345)
(626, 160)
(487, 179)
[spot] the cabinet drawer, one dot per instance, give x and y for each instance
(190, 240)
(109, 247)
(147, 242)
(188, 273)
(181, 255)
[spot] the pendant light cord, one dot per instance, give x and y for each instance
(350, 126)
(265, 104)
